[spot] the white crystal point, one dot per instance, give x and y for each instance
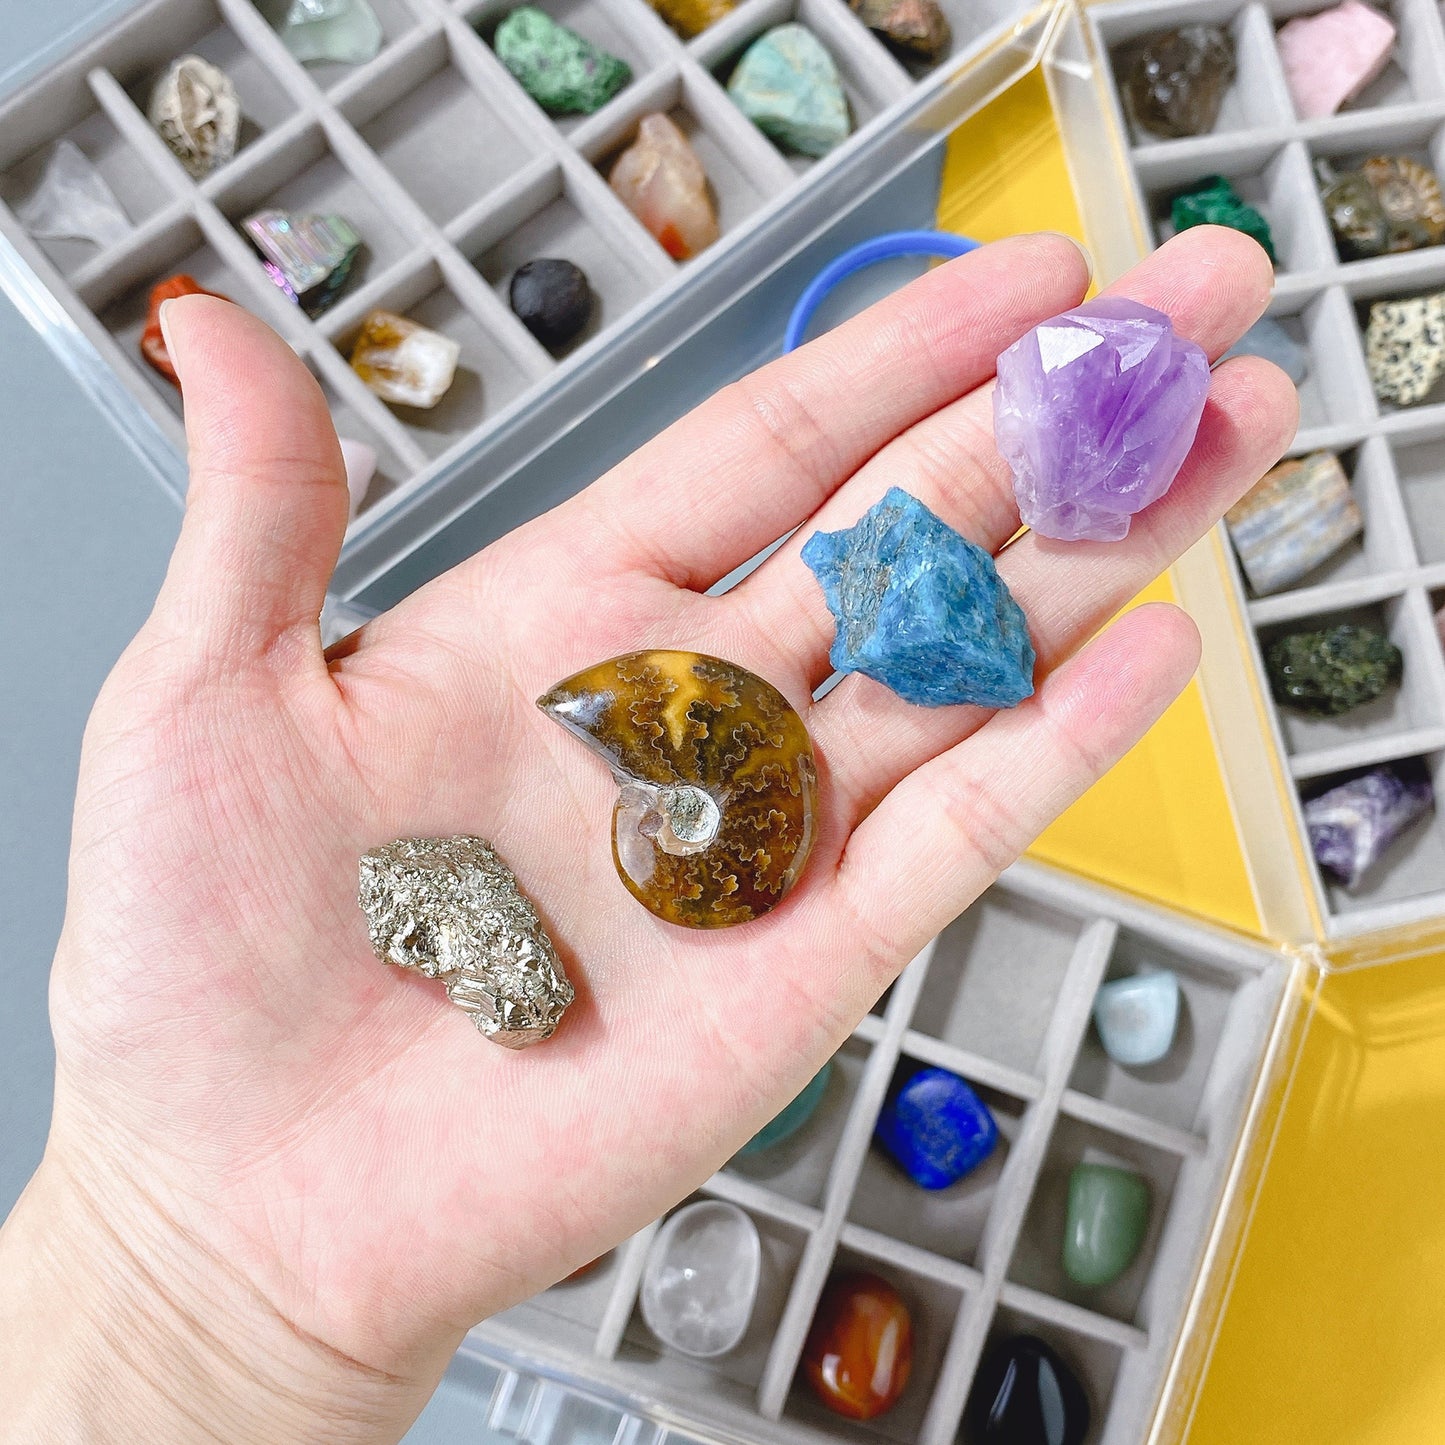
(71, 202)
(195, 109)
(346, 32)
(403, 362)
(701, 1278)
(360, 462)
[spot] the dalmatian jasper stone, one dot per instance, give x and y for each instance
(1405, 347)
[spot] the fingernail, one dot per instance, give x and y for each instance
(1079, 246)
(164, 321)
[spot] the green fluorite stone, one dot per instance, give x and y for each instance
(1331, 671)
(788, 86)
(1107, 1218)
(786, 1124)
(344, 32)
(1214, 202)
(564, 73)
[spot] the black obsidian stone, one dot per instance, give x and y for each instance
(552, 299)
(1025, 1394)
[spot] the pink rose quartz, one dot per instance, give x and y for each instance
(1329, 58)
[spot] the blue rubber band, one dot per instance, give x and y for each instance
(887, 247)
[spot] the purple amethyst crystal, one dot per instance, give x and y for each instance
(1095, 411)
(1351, 825)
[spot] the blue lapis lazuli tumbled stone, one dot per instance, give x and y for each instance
(936, 1128)
(921, 609)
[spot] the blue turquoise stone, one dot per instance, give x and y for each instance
(936, 1128)
(786, 1124)
(1136, 1017)
(921, 609)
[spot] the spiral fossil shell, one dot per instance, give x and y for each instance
(717, 783)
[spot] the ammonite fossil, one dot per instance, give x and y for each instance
(717, 784)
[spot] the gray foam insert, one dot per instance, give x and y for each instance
(1391, 454)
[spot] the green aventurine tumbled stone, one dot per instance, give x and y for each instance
(1108, 1216)
(564, 73)
(788, 86)
(1214, 202)
(1333, 670)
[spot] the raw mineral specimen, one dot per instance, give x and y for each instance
(1392, 203)
(1333, 670)
(359, 458)
(859, 1352)
(1267, 338)
(1330, 57)
(1136, 1017)
(936, 1128)
(552, 299)
(345, 32)
(1405, 347)
(784, 1125)
(718, 788)
(1105, 1223)
(404, 362)
(662, 182)
(72, 202)
(1024, 1394)
(153, 340)
(692, 17)
(787, 85)
(1174, 80)
(1298, 515)
(701, 1278)
(912, 29)
(451, 909)
(1215, 202)
(195, 108)
(1095, 411)
(921, 609)
(1352, 825)
(309, 257)
(563, 72)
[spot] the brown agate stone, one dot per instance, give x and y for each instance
(860, 1348)
(153, 341)
(718, 787)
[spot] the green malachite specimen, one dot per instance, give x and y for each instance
(1214, 202)
(786, 1124)
(564, 73)
(788, 86)
(1333, 670)
(1108, 1217)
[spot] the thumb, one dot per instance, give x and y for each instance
(267, 503)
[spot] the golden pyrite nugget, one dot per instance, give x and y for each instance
(717, 784)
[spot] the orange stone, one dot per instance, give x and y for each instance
(153, 341)
(860, 1349)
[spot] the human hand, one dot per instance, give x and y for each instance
(282, 1179)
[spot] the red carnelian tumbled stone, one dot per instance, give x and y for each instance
(153, 341)
(860, 1349)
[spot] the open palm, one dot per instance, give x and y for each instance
(332, 1137)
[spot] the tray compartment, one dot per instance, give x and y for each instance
(1420, 468)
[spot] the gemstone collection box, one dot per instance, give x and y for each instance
(1392, 577)
(1002, 998)
(450, 173)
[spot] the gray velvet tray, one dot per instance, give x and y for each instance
(453, 177)
(1393, 577)
(1003, 998)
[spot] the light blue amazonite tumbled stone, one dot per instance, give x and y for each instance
(1136, 1017)
(1267, 338)
(786, 1124)
(921, 609)
(787, 85)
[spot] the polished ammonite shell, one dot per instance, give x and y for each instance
(717, 783)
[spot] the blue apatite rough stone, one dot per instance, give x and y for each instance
(936, 1128)
(922, 610)
(785, 1125)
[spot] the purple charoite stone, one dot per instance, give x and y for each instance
(1351, 825)
(1095, 411)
